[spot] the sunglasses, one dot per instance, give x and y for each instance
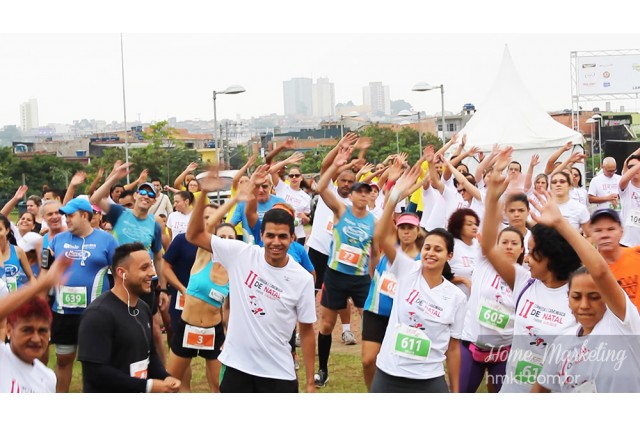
(148, 193)
(294, 175)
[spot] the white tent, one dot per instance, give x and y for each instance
(510, 117)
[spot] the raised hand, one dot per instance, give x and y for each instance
(289, 143)
(407, 180)
(122, 170)
(211, 181)
(259, 176)
(473, 151)
(368, 167)
(535, 160)
(20, 192)
(252, 160)
(577, 158)
(396, 169)
(349, 139)
(295, 158)
(78, 178)
(548, 212)
(143, 176)
(567, 146)
(191, 167)
(428, 153)
(464, 140)
(503, 159)
(344, 152)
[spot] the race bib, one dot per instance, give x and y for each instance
(179, 301)
(388, 284)
(493, 315)
(329, 228)
(411, 343)
(12, 283)
(528, 369)
(349, 255)
(74, 297)
(139, 369)
(199, 338)
(633, 219)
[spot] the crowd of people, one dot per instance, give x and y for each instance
(524, 281)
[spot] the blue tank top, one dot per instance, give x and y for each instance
(382, 289)
(201, 287)
(13, 273)
(351, 244)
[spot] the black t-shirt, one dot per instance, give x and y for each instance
(110, 340)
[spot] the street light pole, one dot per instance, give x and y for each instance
(423, 87)
(419, 133)
(444, 139)
(231, 90)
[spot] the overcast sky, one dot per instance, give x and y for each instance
(172, 65)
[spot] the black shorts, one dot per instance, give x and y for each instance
(338, 287)
(319, 261)
(373, 326)
(64, 329)
(190, 353)
(235, 381)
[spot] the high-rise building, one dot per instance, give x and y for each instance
(29, 115)
(298, 98)
(377, 96)
(324, 98)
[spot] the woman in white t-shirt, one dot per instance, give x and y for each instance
(541, 299)
(574, 212)
(516, 210)
(463, 226)
(578, 192)
(178, 220)
(427, 314)
(488, 324)
(602, 353)
(294, 195)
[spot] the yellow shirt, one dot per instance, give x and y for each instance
(416, 197)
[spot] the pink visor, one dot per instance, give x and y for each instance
(408, 218)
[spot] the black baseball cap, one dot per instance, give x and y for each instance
(606, 212)
(358, 185)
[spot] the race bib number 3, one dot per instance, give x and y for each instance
(411, 343)
(527, 372)
(198, 338)
(74, 297)
(349, 255)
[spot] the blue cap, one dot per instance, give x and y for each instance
(75, 205)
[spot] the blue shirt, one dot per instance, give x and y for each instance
(252, 235)
(351, 244)
(300, 255)
(379, 300)
(14, 275)
(92, 258)
(127, 228)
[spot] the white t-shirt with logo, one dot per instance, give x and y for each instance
(575, 213)
(579, 194)
(298, 199)
(266, 303)
(322, 229)
(17, 376)
(602, 185)
(435, 315)
(464, 260)
(453, 201)
(433, 216)
(488, 321)
(178, 223)
(542, 314)
(630, 215)
(605, 361)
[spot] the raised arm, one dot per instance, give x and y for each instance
(76, 180)
(384, 233)
(446, 146)
(177, 183)
(496, 185)
(288, 144)
(486, 162)
(141, 178)
(535, 160)
(100, 196)
(96, 181)
(196, 233)
(555, 156)
(291, 160)
(550, 215)
(628, 175)
(349, 139)
(429, 156)
(327, 195)
(19, 194)
(471, 189)
(243, 170)
(569, 162)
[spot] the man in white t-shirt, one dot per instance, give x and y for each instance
(269, 292)
(629, 186)
(29, 328)
(603, 188)
(178, 220)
